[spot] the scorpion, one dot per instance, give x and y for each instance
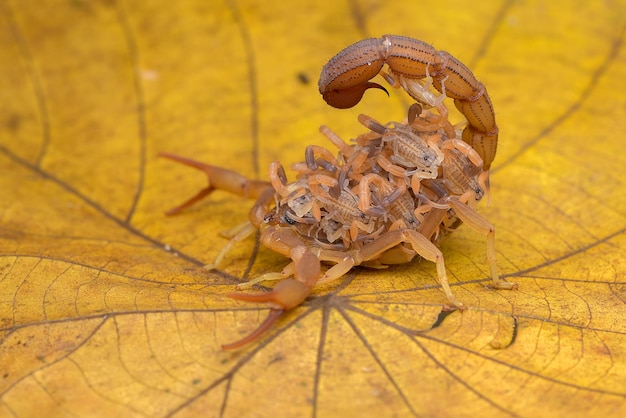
(391, 194)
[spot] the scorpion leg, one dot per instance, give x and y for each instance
(243, 231)
(421, 245)
(386, 244)
(479, 224)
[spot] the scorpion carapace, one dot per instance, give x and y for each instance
(389, 195)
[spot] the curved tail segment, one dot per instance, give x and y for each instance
(345, 78)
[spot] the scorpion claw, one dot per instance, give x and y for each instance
(269, 321)
(190, 202)
(286, 295)
(349, 97)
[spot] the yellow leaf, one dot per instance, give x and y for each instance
(105, 309)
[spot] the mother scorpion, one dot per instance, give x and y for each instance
(390, 195)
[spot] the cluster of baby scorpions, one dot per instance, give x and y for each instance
(389, 195)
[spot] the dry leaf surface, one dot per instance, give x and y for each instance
(106, 311)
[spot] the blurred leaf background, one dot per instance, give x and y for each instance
(106, 311)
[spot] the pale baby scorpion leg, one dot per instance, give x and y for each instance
(242, 232)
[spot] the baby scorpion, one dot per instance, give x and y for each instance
(390, 195)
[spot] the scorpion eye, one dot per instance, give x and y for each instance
(429, 158)
(288, 220)
(270, 218)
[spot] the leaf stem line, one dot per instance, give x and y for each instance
(73, 191)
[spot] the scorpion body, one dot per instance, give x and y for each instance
(391, 194)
